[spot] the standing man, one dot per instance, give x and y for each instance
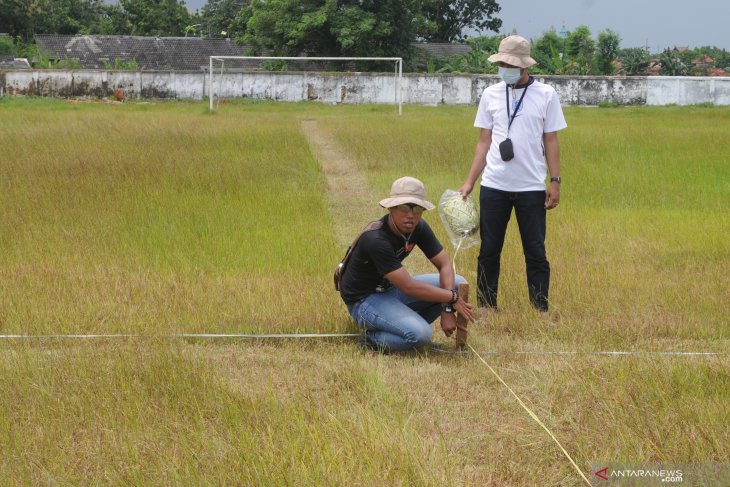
(394, 309)
(519, 119)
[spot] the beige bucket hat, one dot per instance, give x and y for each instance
(407, 190)
(514, 50)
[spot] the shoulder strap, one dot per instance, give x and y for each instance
(340, 270)
(376, 225)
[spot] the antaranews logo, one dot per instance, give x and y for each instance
(658, 474)
(602, 473)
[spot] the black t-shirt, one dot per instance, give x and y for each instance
(379, 252)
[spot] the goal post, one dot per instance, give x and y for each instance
(397, 77)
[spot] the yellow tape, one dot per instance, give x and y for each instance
(532, 415)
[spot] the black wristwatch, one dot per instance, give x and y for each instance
(448, 309)
(555, 179)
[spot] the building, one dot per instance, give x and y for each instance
(185, 53)
(146, 53)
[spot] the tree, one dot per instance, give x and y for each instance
(475, 61)
(579, 47)
(222, 18)
(332, 28)
(486, 44)
(115, 21)
(156, 17)
(606, 51)
(634, 61)
(721, 56)
(446, 20)
(7, 47)
(671, 65)
(24, 18)
(548, 51)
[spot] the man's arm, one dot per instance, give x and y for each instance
(401, 279)
(552, 156)
(446, 271)
(478, 163)
(447, 277)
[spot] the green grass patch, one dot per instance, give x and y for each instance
(118, 217)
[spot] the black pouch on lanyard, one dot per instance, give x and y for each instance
(506, 150)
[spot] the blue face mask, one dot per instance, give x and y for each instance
(510, 75)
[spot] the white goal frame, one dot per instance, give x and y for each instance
(398, 71)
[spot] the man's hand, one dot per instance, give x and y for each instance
(448, 320)
(448, 323)
(552, 196)
(465, 190)
(464, 309)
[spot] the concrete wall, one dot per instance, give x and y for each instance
(357, 87)
(688, 90)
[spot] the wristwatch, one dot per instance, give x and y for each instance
(448, 309)
(555, 179)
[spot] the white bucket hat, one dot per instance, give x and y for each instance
(514, 50)
(407, 190)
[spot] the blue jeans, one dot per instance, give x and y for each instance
(395, 321)
(495, 208)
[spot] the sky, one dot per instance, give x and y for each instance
(657, 24)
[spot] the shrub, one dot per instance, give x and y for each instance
(7, 47)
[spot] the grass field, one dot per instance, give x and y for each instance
(152, 219)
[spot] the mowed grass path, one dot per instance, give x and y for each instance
(161, 218)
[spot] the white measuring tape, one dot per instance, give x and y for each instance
(343, 335)
(347, 335)
(631, 352)
(186, 335)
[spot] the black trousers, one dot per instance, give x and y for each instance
(495, 209)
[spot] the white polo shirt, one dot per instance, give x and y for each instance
(539, 113)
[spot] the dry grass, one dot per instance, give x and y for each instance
(326, 414)
(154, 219)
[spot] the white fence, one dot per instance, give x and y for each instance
(358, 87)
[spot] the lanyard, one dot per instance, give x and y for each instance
(517, 108)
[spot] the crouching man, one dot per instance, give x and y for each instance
(394, 309)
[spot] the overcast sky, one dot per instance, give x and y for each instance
(656, 23)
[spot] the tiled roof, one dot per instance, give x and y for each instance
(150, 53)
(703, 60)
(175, 53)
(442, 49)
(13, 63)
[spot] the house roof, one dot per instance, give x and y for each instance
(176, 53)
(14, 63)
(150, 53)
(703, 60)
(442, 49)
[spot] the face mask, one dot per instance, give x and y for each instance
(510, 75)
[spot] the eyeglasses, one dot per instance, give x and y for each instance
(406, 207)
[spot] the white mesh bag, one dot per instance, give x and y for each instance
(461, 219)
